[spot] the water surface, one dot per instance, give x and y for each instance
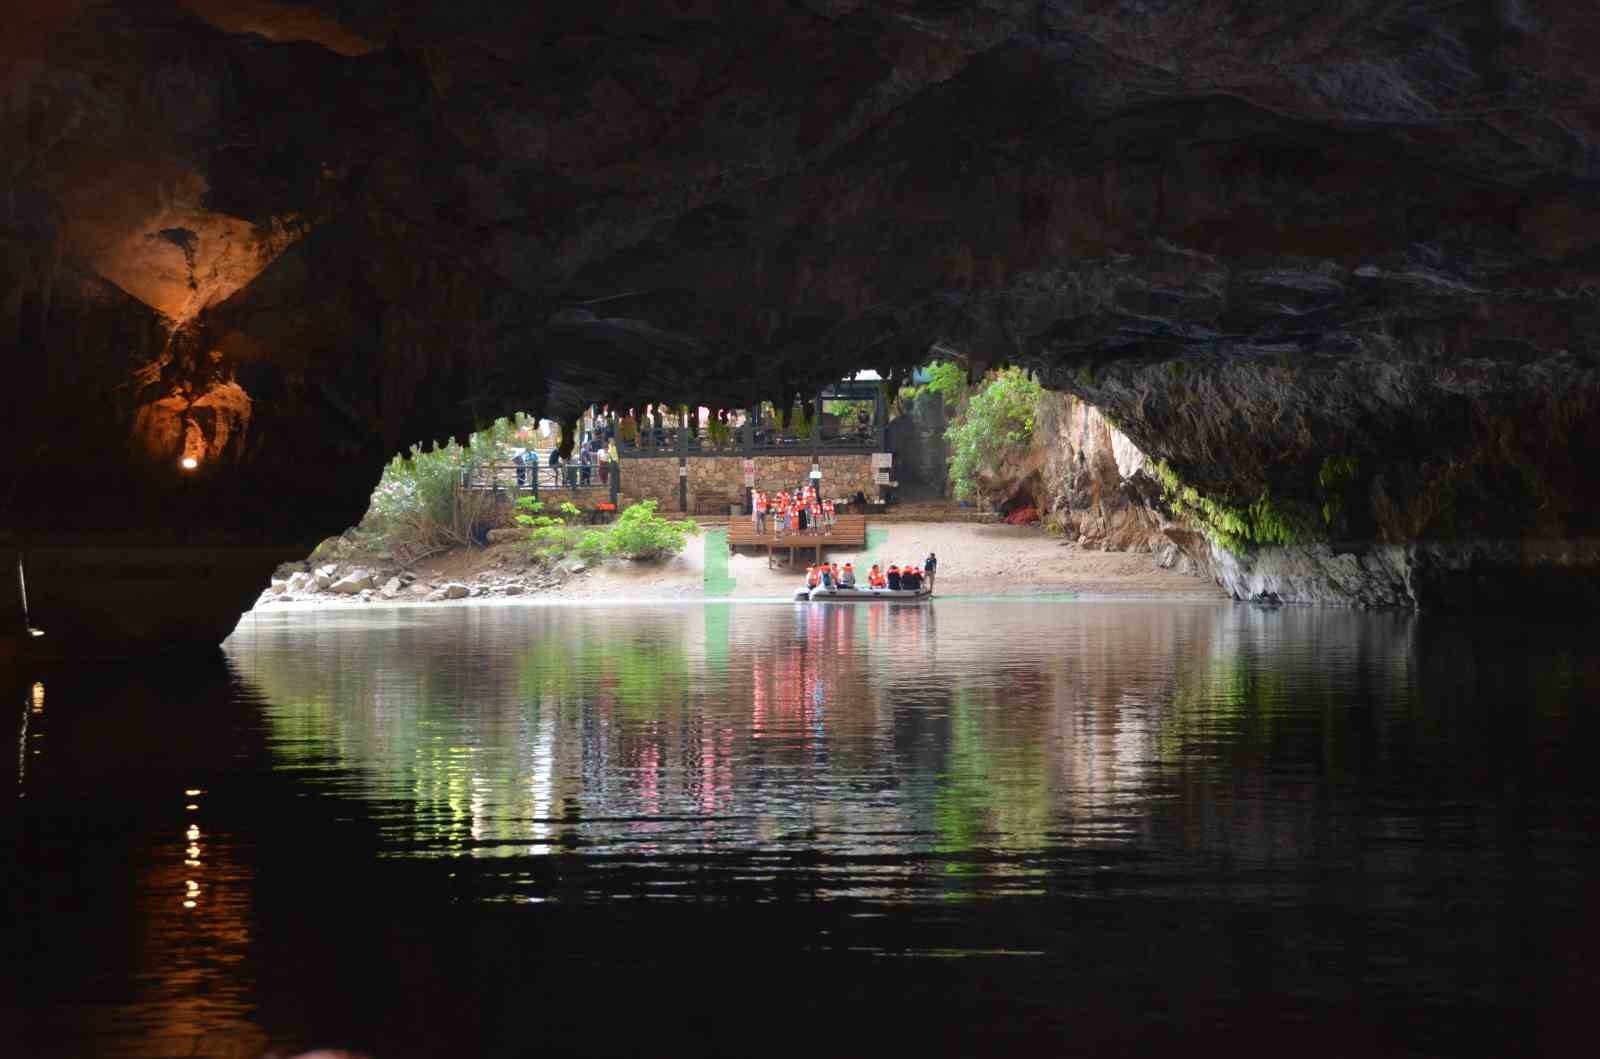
(745, 828)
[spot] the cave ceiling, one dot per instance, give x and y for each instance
(388, 221)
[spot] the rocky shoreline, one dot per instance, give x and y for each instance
(357, 581)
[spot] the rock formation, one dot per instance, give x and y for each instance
(285, 240)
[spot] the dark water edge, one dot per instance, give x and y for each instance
(1333, 833)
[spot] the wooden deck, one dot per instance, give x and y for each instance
(849, 532)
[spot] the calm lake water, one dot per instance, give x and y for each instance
(749, 829)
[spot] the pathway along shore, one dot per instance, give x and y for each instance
(973, 560)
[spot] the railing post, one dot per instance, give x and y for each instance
(683, 462)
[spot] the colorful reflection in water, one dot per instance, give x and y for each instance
(425, 831)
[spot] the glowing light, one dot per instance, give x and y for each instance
(193, 886)
(193, 834)
(190, 463)
(35, 632)
(192, 792)
(191, 807)
(38, 697)
(188, 904)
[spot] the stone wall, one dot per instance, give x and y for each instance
(723, 476)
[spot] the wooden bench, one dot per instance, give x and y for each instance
(848, 532)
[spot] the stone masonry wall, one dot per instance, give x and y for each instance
(723, 476)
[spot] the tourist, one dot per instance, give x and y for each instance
(585, 462)
(825, 575)
(520, 460)
(811, 577)
(930, 564)
(910, 579)
(894, 578)
(847, 577)
(603, 459)
(875, 577)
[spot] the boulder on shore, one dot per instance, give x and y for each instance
(456, 591)
(277, 588)
(352, 583)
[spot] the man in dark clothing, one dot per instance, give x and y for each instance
(928, 566)
(521, 459)
(894, 578)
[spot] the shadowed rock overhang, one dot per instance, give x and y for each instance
(287, 239)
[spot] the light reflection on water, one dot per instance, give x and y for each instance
(1167, 818)
(908, 753)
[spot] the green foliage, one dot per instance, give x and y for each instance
(1334, 479)
(799, 424)
(997, 423)
(639, 533)
(719, 433)
(1084, 376)
(1232, 527)
(948, 379)
(592, 544)
(550, 536)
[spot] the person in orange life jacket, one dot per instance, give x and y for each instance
(826, 576)
(894, 578)
(811, 577)
(847, 578)
(875, 577)
(908, 578)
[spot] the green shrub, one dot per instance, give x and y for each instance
(639, 533)
(550, 537)
(948, 379)
(998, 422)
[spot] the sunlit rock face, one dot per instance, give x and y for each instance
(1255, 235)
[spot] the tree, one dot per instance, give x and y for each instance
(997, 423)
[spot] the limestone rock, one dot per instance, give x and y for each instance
(455, 590)
(352, 583)
(513, 590)
(391, 587)
(277, 587)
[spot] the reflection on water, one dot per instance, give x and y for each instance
(1380, 822)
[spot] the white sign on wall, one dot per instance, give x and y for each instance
(882, 460)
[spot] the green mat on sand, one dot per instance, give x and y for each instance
(717, 580)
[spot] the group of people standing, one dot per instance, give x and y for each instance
(799, 509)
(896, 579)
(592, 459)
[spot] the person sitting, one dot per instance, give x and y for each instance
(833, 568)
(827, 578)
(894, 578)
(915, 579)
(847, 577)
(908, 579)
(811, 577)
(875, 577)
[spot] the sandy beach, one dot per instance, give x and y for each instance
(973, 560)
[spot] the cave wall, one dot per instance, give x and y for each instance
(290, 239)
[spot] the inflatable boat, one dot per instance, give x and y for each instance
(861, 595)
